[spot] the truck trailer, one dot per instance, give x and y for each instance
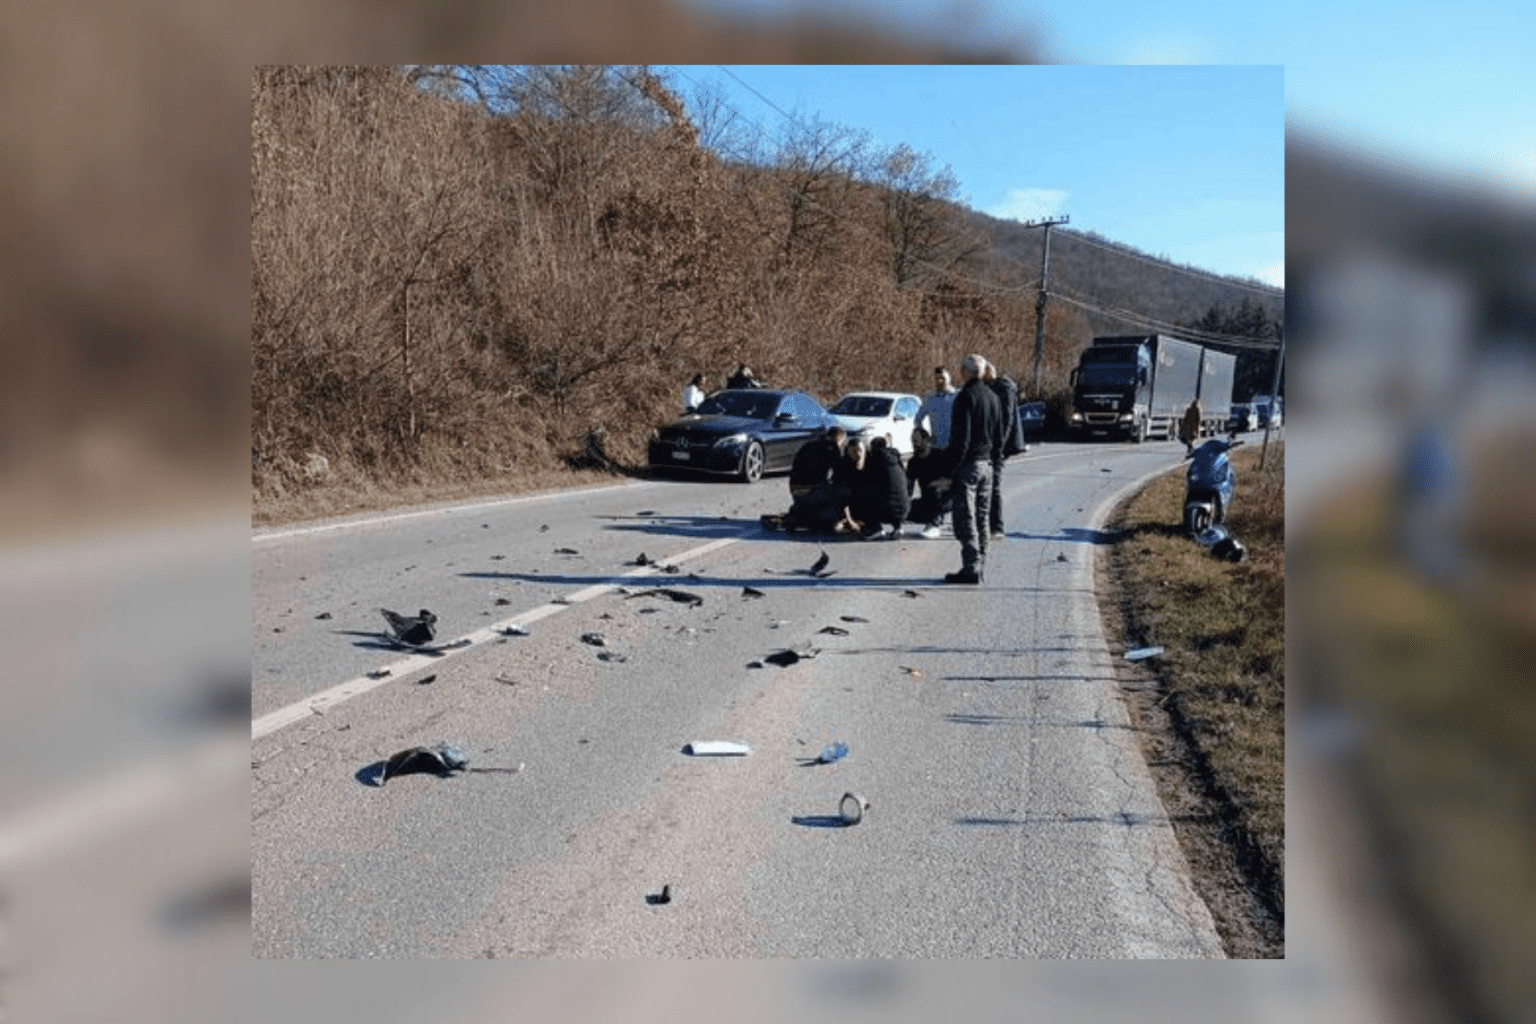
(1136, 386)
(1217, 370)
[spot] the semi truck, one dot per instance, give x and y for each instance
(1136, 386)
(1217, 370)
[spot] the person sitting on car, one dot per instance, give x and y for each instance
(925, 471)
(881, 497)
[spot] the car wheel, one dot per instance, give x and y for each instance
(752, 463)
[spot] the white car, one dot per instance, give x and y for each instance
(869, 414)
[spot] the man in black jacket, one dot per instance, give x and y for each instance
(1007, 393)
(881, 495)
(975, 443)
(817, 501)
(925, 477)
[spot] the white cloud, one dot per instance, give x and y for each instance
(1025, 204)
(1273, 274)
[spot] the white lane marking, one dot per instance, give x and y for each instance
(323, 701)
(301, 531)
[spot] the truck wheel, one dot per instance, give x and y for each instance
(752, 463)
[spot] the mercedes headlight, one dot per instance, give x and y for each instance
(731, 441)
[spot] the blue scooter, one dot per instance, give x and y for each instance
(1208, 486)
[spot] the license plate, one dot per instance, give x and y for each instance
(682, 455)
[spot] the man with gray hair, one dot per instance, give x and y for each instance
(975, 443)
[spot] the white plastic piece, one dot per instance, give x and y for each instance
(716, 748)
(1143, 653)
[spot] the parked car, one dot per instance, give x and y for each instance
(1261, 409)
(741, 432)
(1032, 420)
(869, 414)
(1242, 419)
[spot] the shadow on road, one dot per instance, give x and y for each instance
(1072, 535)
(819, 820)
(384, 642)
(765, 582)
(1128, 819)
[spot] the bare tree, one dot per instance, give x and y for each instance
(924, 233)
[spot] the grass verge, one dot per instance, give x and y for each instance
(1211, 710)
(1435, 677)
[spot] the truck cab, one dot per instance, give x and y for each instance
(1109, 389)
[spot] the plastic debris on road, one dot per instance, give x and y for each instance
(441, 760)
(832, 752)
(784, 659)
(1143, 653)
(852, 808)
(716, 748)
(680, 596)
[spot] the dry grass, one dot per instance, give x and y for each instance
(444, 472)
(1219, 688)
(1439, 679)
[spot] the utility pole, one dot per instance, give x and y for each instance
(1274, 393)
(1045, 266)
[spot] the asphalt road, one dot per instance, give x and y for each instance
(1011, 814)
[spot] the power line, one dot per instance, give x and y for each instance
(1160, 326)
(1191, 271)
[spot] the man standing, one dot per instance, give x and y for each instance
(1007, 393)
(975, 444)
(938, 407)
(1189, 426)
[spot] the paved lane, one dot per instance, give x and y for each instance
(1011, 813)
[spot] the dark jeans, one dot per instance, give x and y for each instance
(995, 510)
(972, 503)
(931, 504)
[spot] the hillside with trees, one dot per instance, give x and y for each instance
(471, 273)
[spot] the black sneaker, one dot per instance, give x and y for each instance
(963, 576)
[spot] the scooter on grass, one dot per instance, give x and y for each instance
(1208, 486)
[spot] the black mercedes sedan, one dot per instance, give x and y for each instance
(740, 432)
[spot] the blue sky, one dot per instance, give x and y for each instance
(1440, 88)
(1182, 162)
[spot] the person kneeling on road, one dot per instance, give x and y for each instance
(925, 478)
(881, 497)
(816, 502)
